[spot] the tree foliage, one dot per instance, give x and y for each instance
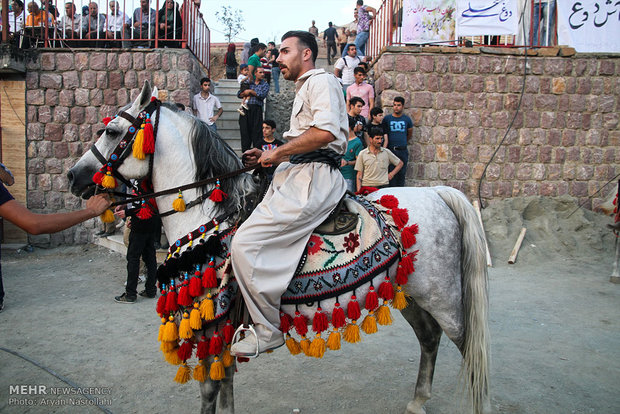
(231, 19)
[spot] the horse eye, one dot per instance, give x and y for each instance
(111, 132)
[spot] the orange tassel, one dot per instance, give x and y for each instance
(352, 333)
(200, 372)
(195, 322)
(384, 316)
(304, 344)
(170, 331)
(217, 371)
(207, 308)
(400, 299)
(317, 347)
(369, 324)
(293, 346)
(333, 342)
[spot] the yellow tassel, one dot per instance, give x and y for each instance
(207, 310)
(333, 341)
(183, 374)
(108, 181)
(170, 330)
(292, 345)
(384, 316)
(369, 324)
(194, 318)
(107, 216)
(304, 344)
(160, 335)
(352, 333)
(217, 370)
(227, 357)
(168, 346)
(138, 145)
(317, 347)
(185, 331)
(172, 357)
(200, 372)
(400, 300)
(179, 204)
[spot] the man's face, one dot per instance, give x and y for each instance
(398, 108)
(33, 8)
(268, 54)
(359, 77)
(267, 131)
(271, 45)
(376, 141)
(144, 4)
(206, 86)
(378, 118)
(357, 108)
(93, 9)
(260, 52)
(69, 9)
(113, 6)
(352, 51)
(290, 59)
(259, 73)
(16, 8)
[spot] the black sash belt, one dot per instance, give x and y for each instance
(326, 156)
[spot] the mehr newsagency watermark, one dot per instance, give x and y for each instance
(44, 395)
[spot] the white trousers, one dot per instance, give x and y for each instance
(267, 247)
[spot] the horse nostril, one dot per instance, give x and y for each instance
(70, 176)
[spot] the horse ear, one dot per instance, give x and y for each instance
(155, 93)
(144, 98)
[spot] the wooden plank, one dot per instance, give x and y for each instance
(486, 243)
(515, 250)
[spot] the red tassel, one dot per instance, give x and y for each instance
(301, 323)
(366, 190)
(319, 322)
(286, 321)
(388, 201)
(216, 344)
(202, 351)
(353, 309)
(386, 290)
(148, 145)
(243, 359)
(171, 301)
(400, 216)
(209, 278)
(185, 350)
(195, 285)
(408, 236)
(98, 177)
(407, 262)
(145, 212)
(402, 277)
(106, 120)
(372, 300)
(228, 331)
(338, 318)
(184, 298)
(218, 195)
(160, 308)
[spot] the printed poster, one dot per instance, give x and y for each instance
(487, 17)
(427, 21)
(589, 25)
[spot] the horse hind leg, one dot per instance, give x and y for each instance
(209, 391)
(429, 333)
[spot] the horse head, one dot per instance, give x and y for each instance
(115, 141)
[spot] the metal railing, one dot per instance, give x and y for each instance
(117, 24)
(540, 17)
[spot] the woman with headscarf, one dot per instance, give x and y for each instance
(169, 24)
(230, 61)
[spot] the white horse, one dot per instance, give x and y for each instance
(449, 287)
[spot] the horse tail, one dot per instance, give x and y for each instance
(475, 348)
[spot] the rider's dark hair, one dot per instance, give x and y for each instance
(305, 39)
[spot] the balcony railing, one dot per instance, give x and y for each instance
(113, 24)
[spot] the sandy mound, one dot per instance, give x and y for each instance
(551, 233)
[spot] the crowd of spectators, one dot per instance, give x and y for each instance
(87, 25)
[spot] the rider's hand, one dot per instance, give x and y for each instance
(251, 156)
(97, 204)
(269, 158)
(119, 211)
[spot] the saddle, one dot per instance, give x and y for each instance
(339, 221)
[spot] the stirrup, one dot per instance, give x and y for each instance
(240, 329)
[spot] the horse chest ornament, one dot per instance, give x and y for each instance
(197, 296)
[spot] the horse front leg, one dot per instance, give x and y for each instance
(428, 332)
(226, 398)
(208, 392)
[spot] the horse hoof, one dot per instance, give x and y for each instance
(415, 408)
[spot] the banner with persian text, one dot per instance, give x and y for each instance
(486, 17)
(428, 21)
(589, 25)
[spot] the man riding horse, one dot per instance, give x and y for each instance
(306, 187)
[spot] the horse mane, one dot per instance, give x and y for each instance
(214, 157)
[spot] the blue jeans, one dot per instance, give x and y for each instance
(399, 178)
(360, 43)
(351, 184)
(543, 12)
(275, 77)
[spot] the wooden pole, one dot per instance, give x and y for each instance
(515, 250)
(486, 243)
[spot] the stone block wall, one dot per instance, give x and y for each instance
(564, 140)
(67, 96)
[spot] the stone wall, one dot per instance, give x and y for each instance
(564, 140)
(67, 96)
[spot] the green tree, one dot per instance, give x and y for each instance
(232, 19)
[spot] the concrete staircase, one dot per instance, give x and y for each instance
(228, 124)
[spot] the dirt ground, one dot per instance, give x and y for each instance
(553, 318)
